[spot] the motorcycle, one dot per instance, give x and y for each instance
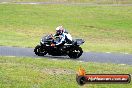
(72, 49)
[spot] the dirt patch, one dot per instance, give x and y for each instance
(57, 71)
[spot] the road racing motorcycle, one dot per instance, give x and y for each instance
(72, 48)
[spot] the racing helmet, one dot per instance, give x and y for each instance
(59, 30)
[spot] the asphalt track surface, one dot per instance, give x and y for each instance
(117, 58)
(65, 3)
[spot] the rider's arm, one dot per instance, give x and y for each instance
(61, 40)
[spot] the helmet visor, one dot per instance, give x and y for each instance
(58, 31)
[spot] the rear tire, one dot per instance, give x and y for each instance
(76, 52)
(39, 51)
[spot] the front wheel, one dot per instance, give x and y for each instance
(76, 52)
(39, 51)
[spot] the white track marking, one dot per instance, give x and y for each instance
(53, 59)
(4, 2)
(122, 64)
(126, 53)
(107, 52)
(81, 61)
(33, 3)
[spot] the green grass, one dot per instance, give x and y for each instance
(104, 28)
(46, 73)
(82, 1)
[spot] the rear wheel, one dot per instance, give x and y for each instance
(39, 51)
(76, 52)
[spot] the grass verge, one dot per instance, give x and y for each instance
(47, 73)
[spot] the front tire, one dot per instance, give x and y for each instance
(76, 52)
(39, 51)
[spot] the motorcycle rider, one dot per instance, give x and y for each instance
(63, 36)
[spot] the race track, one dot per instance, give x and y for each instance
(64, 3)
(118, 58)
